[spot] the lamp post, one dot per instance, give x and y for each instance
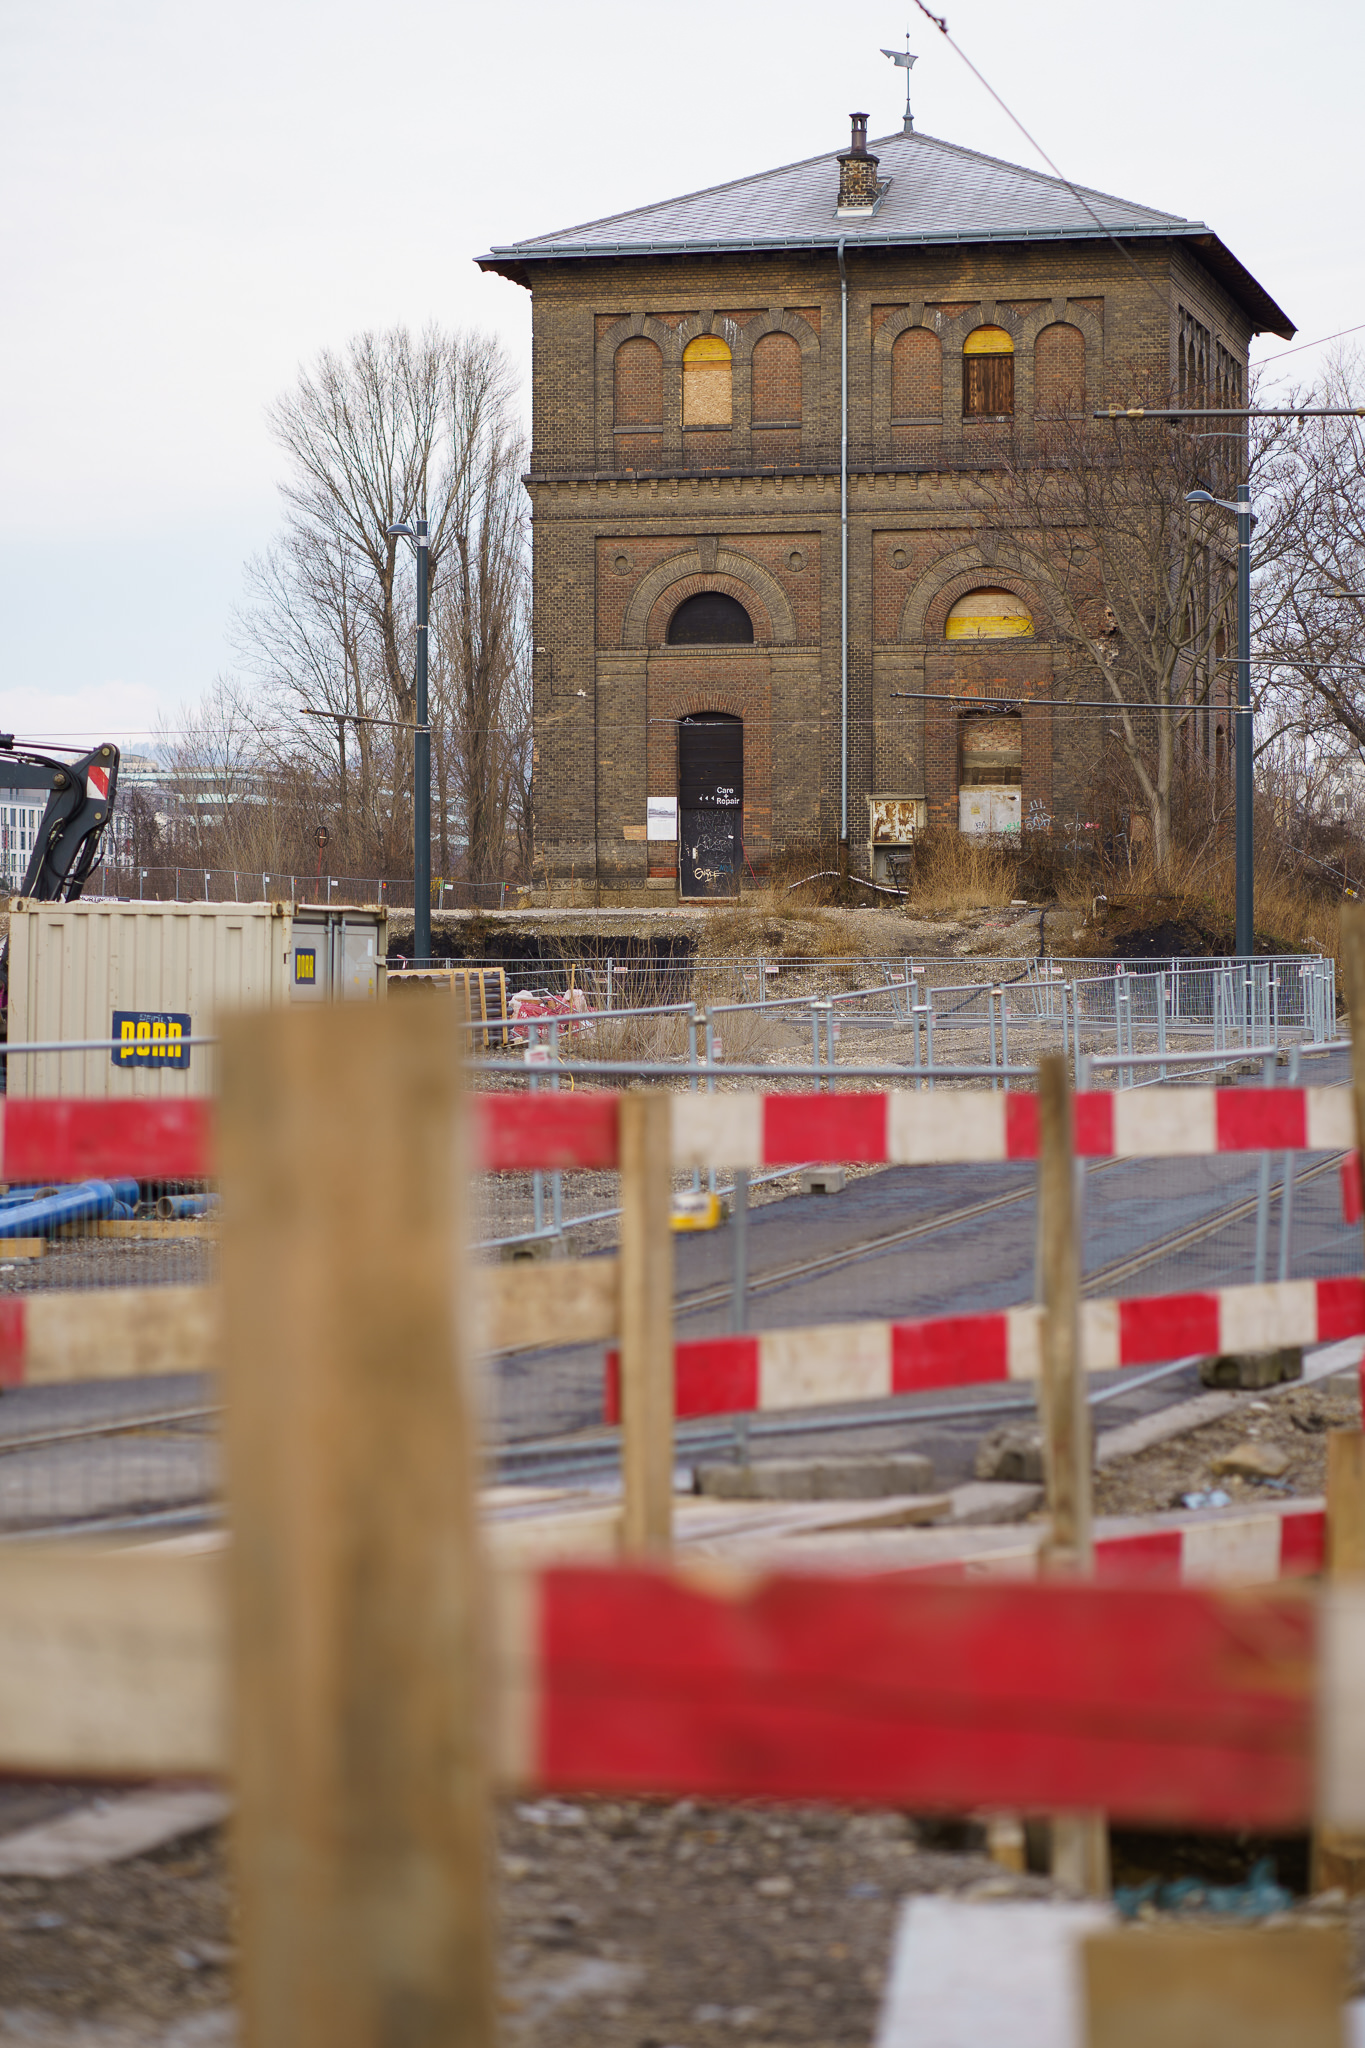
(421, 758)
(1246, 934)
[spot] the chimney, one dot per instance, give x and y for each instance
(858, 191)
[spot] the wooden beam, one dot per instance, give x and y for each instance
(119, 1333)
(646, 1281)
(1080, 1841)
(112, 1663)
(1062, 1388)
(1215, 1987)
(566, 1301)
(363, 1831)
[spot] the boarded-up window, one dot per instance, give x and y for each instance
(992, 750)
(989, 615)
(917, 376)
(710, 619)
(776, 381)
(1059, 369)
(706, 382)
(639, 368)
(988, 374)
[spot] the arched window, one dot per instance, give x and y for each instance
(1059, 369)
(988, 615)
(776, 381)
(916, 376)
(639, 385)
(710, 619)
(987, 375)
(706, 382)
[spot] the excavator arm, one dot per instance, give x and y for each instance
(81, 804)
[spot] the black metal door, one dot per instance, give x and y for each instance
(710, 803)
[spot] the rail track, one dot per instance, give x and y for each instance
(594, 1452)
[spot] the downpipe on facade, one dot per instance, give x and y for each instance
(843, 548)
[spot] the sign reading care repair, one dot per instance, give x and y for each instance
(150, 1038)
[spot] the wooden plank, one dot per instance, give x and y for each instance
(148, 1229)
(646, 1293)
(1063, 1696)
(1215, 1987)
(1167, 1706)
(119, 1333)
(112, 1663)
(564, 1301)
(22, 1248)
(78, 1139)
(363, 1829)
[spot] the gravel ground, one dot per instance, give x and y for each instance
(623, 1925)
(1296, 1422)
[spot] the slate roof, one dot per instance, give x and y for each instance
(936, 193)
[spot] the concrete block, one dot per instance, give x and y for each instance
(823, 1180)
(1013, 1452)
(552, 1246)
(1253, 1369)
(984, 1501)
(817, 1478)
(967, 1972)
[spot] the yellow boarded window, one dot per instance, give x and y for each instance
(987, 374)
(988, 341)
(706, 382)
(988, 615)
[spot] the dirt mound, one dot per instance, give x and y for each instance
(1163, 928)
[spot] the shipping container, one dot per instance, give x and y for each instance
(148, 977)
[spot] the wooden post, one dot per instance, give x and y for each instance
(1080, 1847)
(1066, 1418)
(363, 1817)
(1339, 1857)
(646, 1153)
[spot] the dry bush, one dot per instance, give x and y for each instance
(953, 872)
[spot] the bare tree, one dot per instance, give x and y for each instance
(391, 428)
(483, 637)
(1311, 590)
(1141, 586)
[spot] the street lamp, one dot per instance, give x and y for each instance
(421, 756)
(1246, 934)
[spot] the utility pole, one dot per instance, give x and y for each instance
(1246, 885)
(421, 752)
(421, 770)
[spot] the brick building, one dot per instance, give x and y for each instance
(765, 600)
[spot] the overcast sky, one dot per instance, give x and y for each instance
(195, 199)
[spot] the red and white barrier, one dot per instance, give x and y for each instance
(1186, 1705)
(69, 1139)
(1173, 1706)
(916, 1128)
(1242, 1546)
(173, 1140)
(871, 1361)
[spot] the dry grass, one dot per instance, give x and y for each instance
(1293, 913)
(746, 1036)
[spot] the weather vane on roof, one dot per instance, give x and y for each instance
(905, 60)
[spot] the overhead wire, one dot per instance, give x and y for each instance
(941, 24)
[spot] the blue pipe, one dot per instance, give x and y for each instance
(90, 1201)
(177, 1207)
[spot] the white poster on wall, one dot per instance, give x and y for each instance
(661, 817)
